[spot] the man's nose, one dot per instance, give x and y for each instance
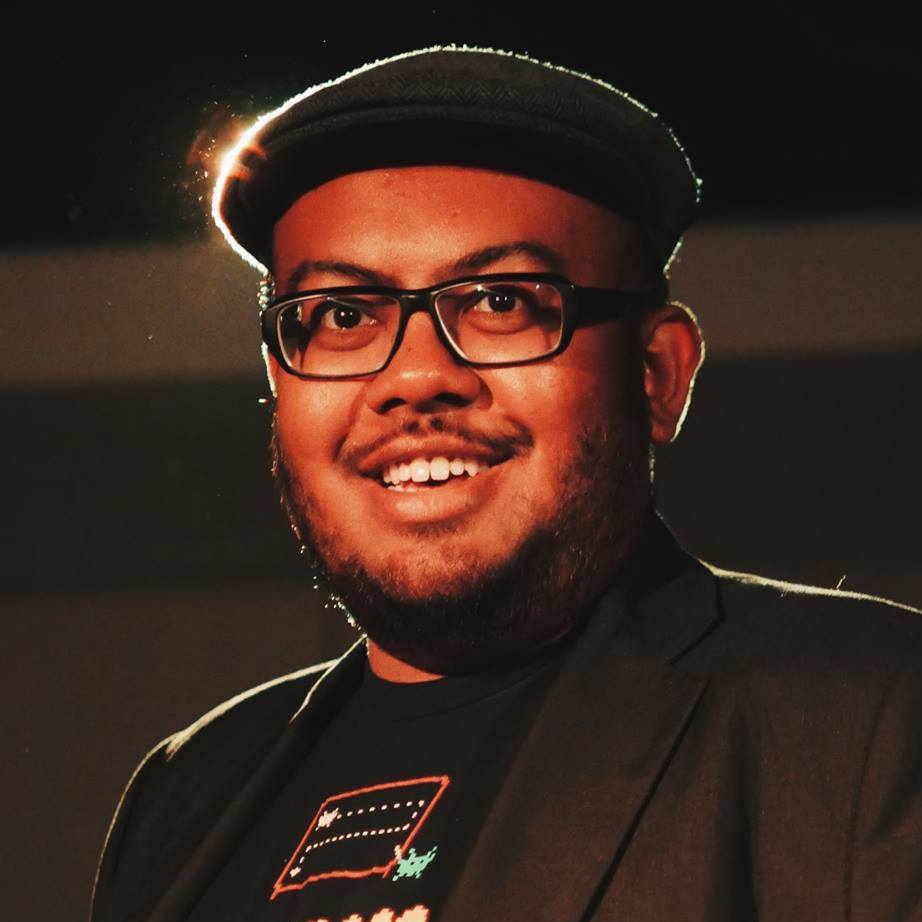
(423, 374)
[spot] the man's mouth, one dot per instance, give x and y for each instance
(441, 463)
(426, 473)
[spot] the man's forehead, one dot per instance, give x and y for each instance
(470, 263)
(452, 220)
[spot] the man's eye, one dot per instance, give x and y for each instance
(498, 301)
(334, 315)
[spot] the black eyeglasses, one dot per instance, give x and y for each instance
(484, 320)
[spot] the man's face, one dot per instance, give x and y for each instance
(453, 574)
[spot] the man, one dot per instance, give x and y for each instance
(555, 712)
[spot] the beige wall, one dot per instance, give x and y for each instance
(188, 310)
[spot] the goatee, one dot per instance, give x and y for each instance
(510, 609)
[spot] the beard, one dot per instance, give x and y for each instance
(473, 614)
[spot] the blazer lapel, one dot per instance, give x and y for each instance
(592, 758)
(292, 745)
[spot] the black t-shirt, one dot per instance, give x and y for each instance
(376, 822)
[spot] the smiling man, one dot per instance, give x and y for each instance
(554, 712)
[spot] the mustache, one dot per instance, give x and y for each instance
(508, 441)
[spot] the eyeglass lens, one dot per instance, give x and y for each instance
(352, 334)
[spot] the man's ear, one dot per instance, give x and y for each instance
(673, 350)
(272, 369)
(264, 296)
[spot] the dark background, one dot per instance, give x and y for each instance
(147, 571)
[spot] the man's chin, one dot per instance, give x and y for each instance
(415, 579)
(454, 614)
(426, 612)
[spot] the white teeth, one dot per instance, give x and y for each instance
(439, 469)
(421, 470)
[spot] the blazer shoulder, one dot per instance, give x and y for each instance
(787, 589)
(815, 700)
(268, 702)
(234, 733)
(798, 620)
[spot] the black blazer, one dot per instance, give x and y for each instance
(716, 747)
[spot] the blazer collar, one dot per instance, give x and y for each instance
(597, 748)
(327, 694)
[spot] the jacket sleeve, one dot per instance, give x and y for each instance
(884, 882)
(118, 827)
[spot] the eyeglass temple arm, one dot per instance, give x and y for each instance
(607, 301)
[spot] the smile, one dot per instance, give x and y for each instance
(428, 499)
(425, 473)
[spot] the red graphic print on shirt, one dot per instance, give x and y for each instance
(361, 833)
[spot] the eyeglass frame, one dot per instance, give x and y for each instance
(575, 300)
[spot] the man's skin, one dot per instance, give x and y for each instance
(579, 442)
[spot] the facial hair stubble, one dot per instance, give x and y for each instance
(484, 614)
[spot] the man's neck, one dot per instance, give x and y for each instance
(391, 669)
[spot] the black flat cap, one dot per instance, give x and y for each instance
(467, 106)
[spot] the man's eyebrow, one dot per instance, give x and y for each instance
(470, 262)
(337, 267)
(480, 259)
